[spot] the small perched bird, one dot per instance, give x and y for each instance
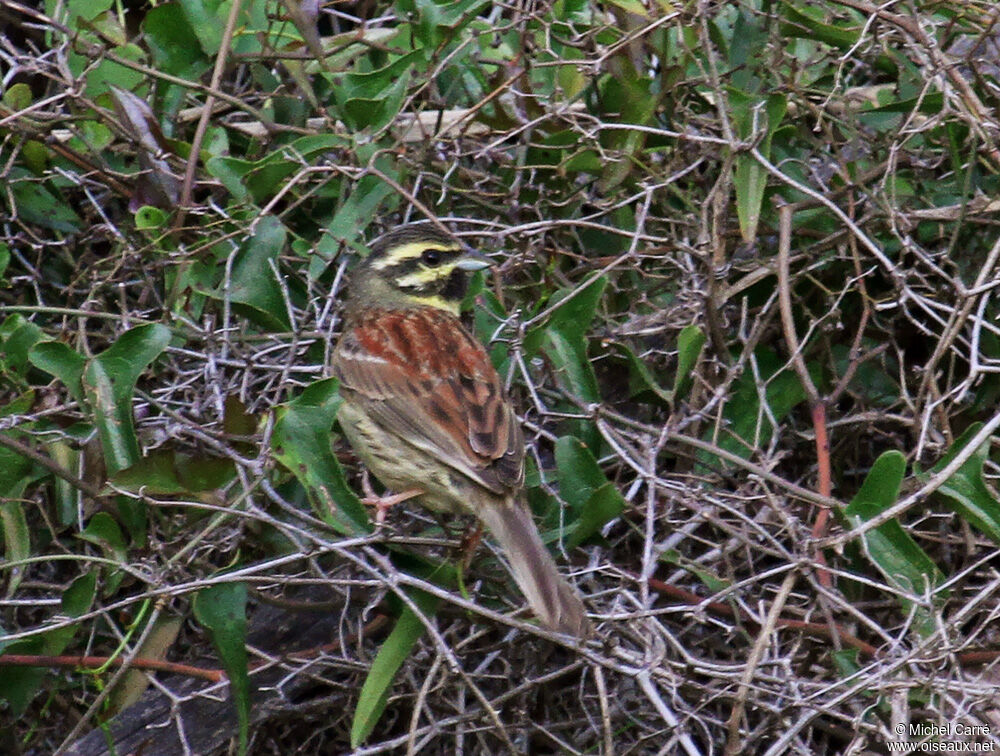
(424, 408)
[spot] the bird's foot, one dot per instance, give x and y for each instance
(383, 504)
(470, 542)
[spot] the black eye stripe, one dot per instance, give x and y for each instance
(414, 264)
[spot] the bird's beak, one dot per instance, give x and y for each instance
(471, 261)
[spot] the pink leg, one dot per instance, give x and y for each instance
(383, 504)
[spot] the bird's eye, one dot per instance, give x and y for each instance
(431, 256)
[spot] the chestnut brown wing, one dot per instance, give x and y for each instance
(421, 375)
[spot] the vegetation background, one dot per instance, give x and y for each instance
(745, 304)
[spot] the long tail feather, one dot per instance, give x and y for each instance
(557, 603)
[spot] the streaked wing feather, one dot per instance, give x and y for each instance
(421, 375)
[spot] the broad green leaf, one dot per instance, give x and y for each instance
(572, 365)
(301, 442)
(358, 211)
(17, 336)
(574, 313)
(254, 286)
(16, 473)
(221, 609)
(79, 597)
(372, 99)
(394, 651)
(891, 549)
(66, 495)
(375, 112)
(562, 338)
(167, 472)
(173, 42)
(631, 6)
(604, 505)
(579, 474)
(846, 660)
(34, 203)
(205, 18)
(965, 491)
(103, 531)
(109, 382)
(110, 73)
(60, 360)
(149, 217)
(17, 96)
(231, 172)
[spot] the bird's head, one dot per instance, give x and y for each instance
(416, 266)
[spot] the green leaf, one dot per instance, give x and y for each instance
(173, 42)
(394, 651)
(59, 359)
(205, 18)
(902, 562)
(17, 336)
(375, 112)
(221, 609)
(301, 442)
(965, 492)
(748, 427)
(641, 378)
(801, 24)
(750, 177)
(689, 346)
(18, 685)
(580, 477)
(16, 540)
(109, 382)
(231, 171)
(572, 365)
(370, 197)
(254, 284)
(34, 203)
(18, 96)
(631, 6)
(604, 505)
(167, 472)
(574, 313)
(65, 494)
(148, 217)
(79, 597)
(103, 531)
(846, 660)
(372, 99)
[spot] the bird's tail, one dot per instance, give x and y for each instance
(556, 603)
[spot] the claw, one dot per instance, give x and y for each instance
(383, 504)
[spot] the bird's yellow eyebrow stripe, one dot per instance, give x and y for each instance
(410, 251)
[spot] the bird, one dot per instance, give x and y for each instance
(426, 412)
